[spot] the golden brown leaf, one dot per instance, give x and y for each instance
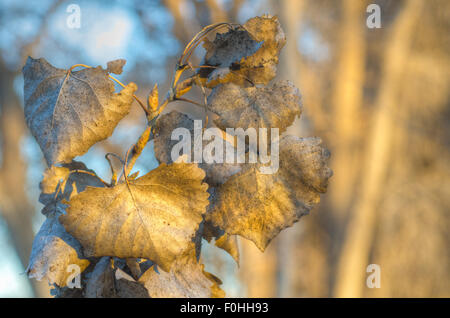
(153, 99)
(53, 251)
(216, 173)
(258, 206)
(186, 279)
(69, 111)
(275, 106)
(244, 57)
(69, 180)
(155, 217)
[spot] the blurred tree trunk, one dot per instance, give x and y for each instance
(217, 12)
(359, 236)
(14, 205)
(258, 270)
(346, 101)
(287, 265)
(181, 29)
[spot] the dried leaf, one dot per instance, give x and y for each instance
(275, 106)
(100, 283)
(186, 279)
(66, 292)
(153, 99)
(216, 173)
(261, 67)
(53, 251)
(225, 54)
(116, 66)
(155, 218)
(229, 243)
(258, 206)
(127, 287)
(66, 181)
(244, 56)
(184, 87)
(68, 112)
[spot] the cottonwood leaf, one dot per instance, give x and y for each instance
(186, 279)
(216, 173)
(105, 281)
(274, 106)
(66, 292)
(225, 53)
(244, 56)
(261, 67)
(100, 282)
(116, 66)
(229, 243)
(128, 287)
(68, 180)
(53, 251)
(156, 217)
(258, 206)
(67, 112)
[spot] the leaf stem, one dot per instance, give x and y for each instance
(134, 152)
(189, 101)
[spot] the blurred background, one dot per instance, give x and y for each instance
(378, 97)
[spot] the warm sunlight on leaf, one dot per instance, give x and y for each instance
(186, 279)
(258, 206)
(53, 251)
(69, 111)
(155, 216)
(259, 107)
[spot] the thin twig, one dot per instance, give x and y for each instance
(189, 101)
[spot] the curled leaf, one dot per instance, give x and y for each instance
(53, 251)
(225, 53)
(261, 67)
(153, 99)
(155, 216)
(247, 55)
(69, 111)
(184, 87)
(274, 106)
(258, 206)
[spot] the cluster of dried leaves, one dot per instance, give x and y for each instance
(141, 236)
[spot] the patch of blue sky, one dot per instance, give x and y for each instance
(252, 8)
(221, 264)
(312, 45)
(109, 32)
